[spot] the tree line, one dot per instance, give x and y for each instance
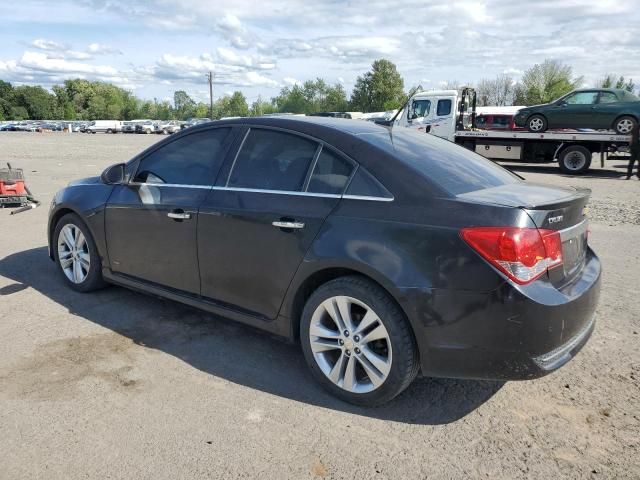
(379, 89)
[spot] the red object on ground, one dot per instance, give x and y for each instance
(12, 187)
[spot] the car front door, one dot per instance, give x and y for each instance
(573, 111)
(151, 221)
(257, 224)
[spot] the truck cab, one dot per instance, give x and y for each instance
(434, 112)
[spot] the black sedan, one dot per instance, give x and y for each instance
(601, 109)
(384, 253)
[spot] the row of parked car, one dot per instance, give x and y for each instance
(146, 126)
(42, 126)
(165, 127)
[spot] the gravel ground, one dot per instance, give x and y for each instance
(120, 385)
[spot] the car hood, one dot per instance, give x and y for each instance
(85, 181)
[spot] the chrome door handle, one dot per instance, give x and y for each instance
(179, 215)
(292, 225)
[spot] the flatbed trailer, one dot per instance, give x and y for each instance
(572, 150)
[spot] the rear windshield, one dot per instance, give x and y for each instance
(448, 166)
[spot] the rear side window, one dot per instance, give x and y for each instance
(331, 173)
(191, 160)
(608, 97)
(366, 185)
(444, 107)
(272, 160)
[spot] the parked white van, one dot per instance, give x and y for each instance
(104, 126)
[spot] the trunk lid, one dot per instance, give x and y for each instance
(562, 209)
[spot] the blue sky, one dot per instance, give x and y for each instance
(154, 47)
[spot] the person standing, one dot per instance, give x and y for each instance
(634, 150)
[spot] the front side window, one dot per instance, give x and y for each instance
(444, 107)
(420, 108)
(272, 160)
(330, 174)
(191, 160)
(581, 98)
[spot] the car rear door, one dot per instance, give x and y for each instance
(151, 221)
(607, 110)
(258, 222)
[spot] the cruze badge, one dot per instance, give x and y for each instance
(557, 219)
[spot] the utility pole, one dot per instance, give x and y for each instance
(210, 77)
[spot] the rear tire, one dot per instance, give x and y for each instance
(372, 356)
(72, 240)
(575, 160)
(537, 123)
(625, 125)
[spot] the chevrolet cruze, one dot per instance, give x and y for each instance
(383, 253)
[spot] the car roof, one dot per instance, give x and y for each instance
(598, 89)
(307, 124)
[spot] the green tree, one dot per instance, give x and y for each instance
(183, 105)
(292, 100)
(614, 81)
(311, 97)
(381, 88)
(261, 107)
(233, 106)
(545, 82)
(38, 103)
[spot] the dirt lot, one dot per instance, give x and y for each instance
(121, 385)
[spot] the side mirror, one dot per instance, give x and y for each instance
(113, 175)
(562, 103)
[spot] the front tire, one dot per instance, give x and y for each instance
(536, 124)
(76, 254)
(357, 342)
(625, 125)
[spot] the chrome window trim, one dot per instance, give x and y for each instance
(364, 197)
(280, 192)
(174, 185)
(258, 190)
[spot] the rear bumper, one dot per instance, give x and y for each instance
(511, 333)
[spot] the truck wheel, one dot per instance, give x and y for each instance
(574, 160)
(537, 124)
(625, 125)
(109, 130)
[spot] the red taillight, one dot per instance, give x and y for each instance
(523, 254)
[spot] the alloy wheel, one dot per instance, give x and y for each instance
(350, 344)
(536, 124)
(624, 126)
(73, 253)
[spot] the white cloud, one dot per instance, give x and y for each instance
(48, 45)
(101, 49)
(291, 81)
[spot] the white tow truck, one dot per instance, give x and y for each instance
(451, 114)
